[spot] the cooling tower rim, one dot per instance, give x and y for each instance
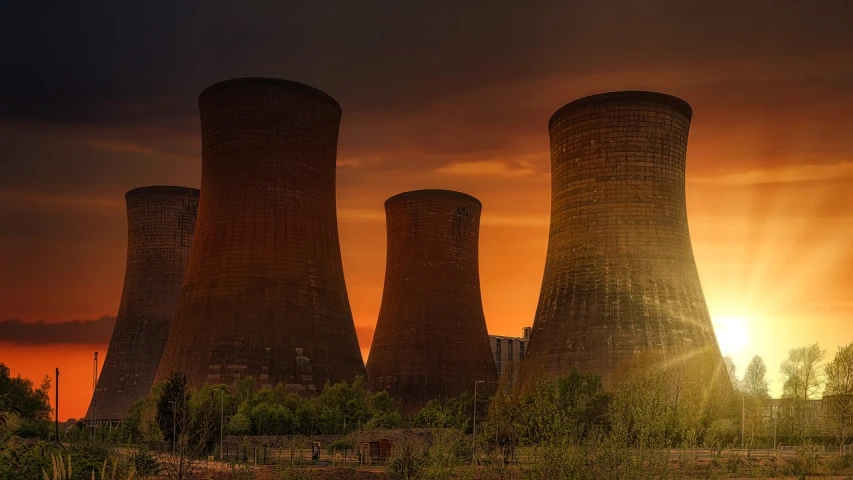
(162, 189)
(673, 101)
(270, 81)
(431, 194)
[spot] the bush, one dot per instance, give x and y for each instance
(720, 435)
(341, 445)
(407, 460)
(805, 462)
(840, 464)
(144, 462)
(33, 428)
(88, 456)
(24, 461)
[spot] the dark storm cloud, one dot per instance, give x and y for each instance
(93, 332)
(144, 61)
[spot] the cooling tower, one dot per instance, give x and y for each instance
(620, 278)
(160, 226)
(431, 339)
(264, 294)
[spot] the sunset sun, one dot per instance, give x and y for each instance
(732, 334)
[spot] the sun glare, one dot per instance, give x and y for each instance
(732, 334)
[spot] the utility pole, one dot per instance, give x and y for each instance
(57, 406)
(474, 427)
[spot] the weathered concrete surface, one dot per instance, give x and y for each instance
(265, 293)
(160, 226)
(431, 339)
(620, 278)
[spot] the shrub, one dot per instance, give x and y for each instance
(144, 463)
(407, 460)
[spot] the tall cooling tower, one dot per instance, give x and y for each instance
(431, 339)
(160, 226)
(264, 294)
(620, 278)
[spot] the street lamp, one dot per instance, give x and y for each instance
(474, 431)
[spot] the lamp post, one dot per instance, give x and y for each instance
(474, 430)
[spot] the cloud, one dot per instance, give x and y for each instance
(837, 305)
(487, 168)
(361, 214)
(516, 221)
(781, 174)
(46, 201)
(80, 332)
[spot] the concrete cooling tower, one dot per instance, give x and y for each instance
(160, 226)
(264, 294)
(431, 339)
(620, 278)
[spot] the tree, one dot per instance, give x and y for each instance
(29, 403)
(731, 369)
(754, 381)
(803, 380)
(756, 390)
(802, 374)
(172, 406)
(191, 423)
(720, 435)
(838, 397)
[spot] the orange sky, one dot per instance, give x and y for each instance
(770, 158)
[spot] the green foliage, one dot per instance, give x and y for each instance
(383, 415)
(65, 469)
(456, 412)
(20, 397)
(407, 459)
(721, 434)
(447, 450)
(172, 406)
(206, 408)
(24, 460)
(239, 424)
(341, 445)
(88, 455)
(141, 423)
(144, 463)
(838, 397)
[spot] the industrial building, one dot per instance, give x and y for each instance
(620, 278)
(431, 339)
(160, 227)
(508, 353)
(264, 294)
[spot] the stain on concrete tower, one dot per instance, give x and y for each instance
(620, 278)
(160, 226)
(264, 294)
(431, 339)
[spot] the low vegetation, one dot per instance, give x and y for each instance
(685, 420)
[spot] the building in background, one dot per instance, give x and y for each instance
(508, 353)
